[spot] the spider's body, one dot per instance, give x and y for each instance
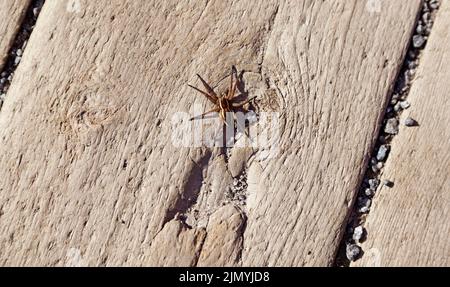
(224, 103)
(225, 107)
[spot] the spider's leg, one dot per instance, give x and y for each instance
(223, 115)
(208, 88)
(233, 84)
(240, 105)
(237, 83)
(208, 96)
(203, 115)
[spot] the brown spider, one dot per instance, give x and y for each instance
(226, 102)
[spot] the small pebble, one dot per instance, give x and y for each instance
(410, 122)
(434, 4)
(412, 64)
(353, 252)
(405, 105)
(412, 54)
(380, 165)
(358, 233)
(391, 127)
(382, 152)
(366, 202)
(388, 183)
(373, 184)
(426, 17)
(364, 210)
(411, 73)
(36, 11)
(420, 29)
(369, 192)
(419, 41)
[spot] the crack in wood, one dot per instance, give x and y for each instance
(18, 47)
(355, 233)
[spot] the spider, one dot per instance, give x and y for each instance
(224, 103)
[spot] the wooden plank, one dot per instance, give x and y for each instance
(333, 69)
(92, 177)
(11, 13)
(410, 223)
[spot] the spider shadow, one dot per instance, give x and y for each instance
(241, 87)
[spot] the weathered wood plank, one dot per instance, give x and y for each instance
(410, 223)
(86, 133)
(334, 76)
(11, 13)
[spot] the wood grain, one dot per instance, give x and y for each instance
(91, 175)
(410, 223)
(11, 13)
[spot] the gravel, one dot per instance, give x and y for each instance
(388, 183)
(391, 126)
(434, 4)
(17, 60)
(353, 252)
(358, 233)
(383, 152)
(405, 105)
(369, 192)
(419, 41)
(374, 183)
(397, 104)
(238, 193)
(36, 11)
(364, 204)
(377, 166)
(410, 122)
